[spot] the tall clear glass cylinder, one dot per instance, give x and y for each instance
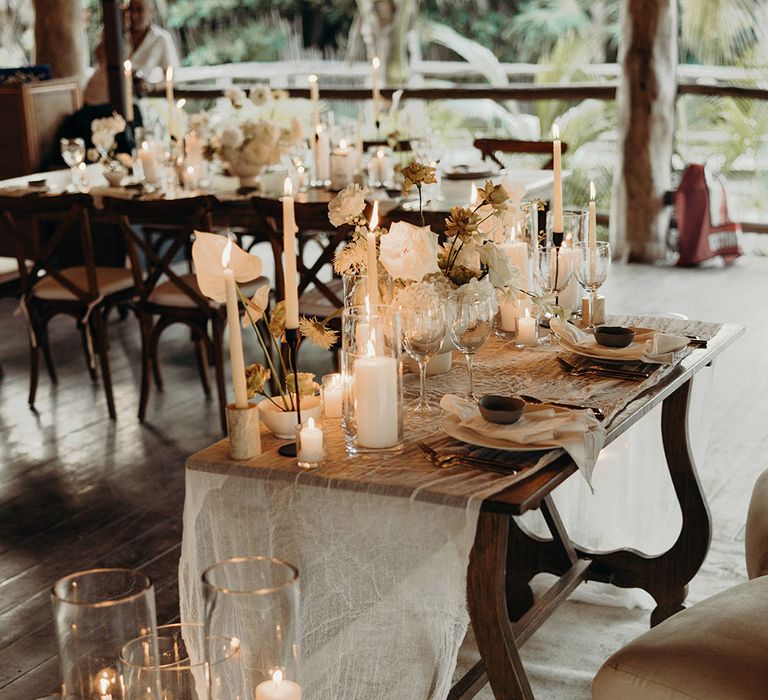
(95, 613)
(371, 367)
(356, 288)
(256, 600)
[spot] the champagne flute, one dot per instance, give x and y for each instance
(591, 268)
(423, 333)
(470, 325)
(73, 153)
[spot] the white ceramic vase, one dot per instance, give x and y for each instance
(283, 423)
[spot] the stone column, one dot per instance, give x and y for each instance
(645, 104)
(60, 37)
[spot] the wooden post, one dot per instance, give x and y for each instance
(114, 47)
(60, 37)
(646, 112)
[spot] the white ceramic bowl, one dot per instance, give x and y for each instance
(283, 423)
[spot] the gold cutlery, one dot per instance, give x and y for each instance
(446, 461)
(612, 372)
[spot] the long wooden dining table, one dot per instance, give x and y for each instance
(504, 556)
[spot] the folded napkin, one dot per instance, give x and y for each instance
(579, 433)
(648, 345)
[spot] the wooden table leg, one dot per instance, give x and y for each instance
(487, 600)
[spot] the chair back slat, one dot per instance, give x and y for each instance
(490, 147)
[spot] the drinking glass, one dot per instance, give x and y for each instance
(470, 324)
(256, 600)
(591, 268)
(73, 153)
(95, 613)
(423, 333)
(163, 667)
(553, 270)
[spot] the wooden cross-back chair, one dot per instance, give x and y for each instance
(490, 147)
(45, 231)
(317, 297)
(165, 296)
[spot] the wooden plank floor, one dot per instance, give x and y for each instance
(78, 490)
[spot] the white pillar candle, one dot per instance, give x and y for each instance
(278, 688)
(508, 311)
(149, 164)
(376, 94)
(169, 99)
(289, 254)
(314, 97)
(379, 168)
(128, 79)
(235, 339)
(374, 387)
(592, 232)
(517, 251)
(322, 154)
(526, 330)
(311, 444)
(557, 193)
(358, 146)
(373, 264)
(473, 195)
(332, 405)
(342, 167)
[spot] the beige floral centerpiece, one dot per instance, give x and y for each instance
(275, 380)
(103, 133)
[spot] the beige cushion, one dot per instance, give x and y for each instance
(756, 535)
(715, 650)
(315, 303)
(109, 280)
(169, 294)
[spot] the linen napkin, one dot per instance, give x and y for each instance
(579, 433)
(648, 345)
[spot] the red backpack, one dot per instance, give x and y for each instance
(704, 228)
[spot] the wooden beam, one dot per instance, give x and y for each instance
(114, 47)
(60, 37)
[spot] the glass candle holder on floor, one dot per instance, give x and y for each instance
(256, 600)
(95, 613)
(174, 665)
(311, 449)
(371, 367)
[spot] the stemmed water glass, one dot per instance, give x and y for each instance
(423, 332)
(552, 269)
(591, 268)
(73, 153)
(470, 324)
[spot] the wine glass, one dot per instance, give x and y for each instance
(470, 325)
(591, 268)
(423, 333)
(73, 153)
(552, 270)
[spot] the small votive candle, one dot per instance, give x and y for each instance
(507, 312)
(310, 444)
(526, 331)
(278, 688)
(331, 393)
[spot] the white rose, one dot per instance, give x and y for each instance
(347, 205)
(409, 252)
(103, 139)
(501, 271)
(260, 95)
(236, 96)
(476, 288)
(232, 137)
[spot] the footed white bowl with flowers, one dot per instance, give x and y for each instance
(283, 423)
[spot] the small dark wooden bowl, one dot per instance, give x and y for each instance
(501, 409)
(614, 336)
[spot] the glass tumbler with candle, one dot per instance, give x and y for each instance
(95, 613)
(330, 391)
(175, 665)
(311, 449)
(371, 367)
(591, 268)
(256, 600)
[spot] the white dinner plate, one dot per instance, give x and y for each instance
(456, 431)
(611, 355)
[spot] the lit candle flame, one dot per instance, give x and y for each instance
(226, 253)
(313, 78)
(277, 676)
(311, 423)
(169, 74)
(379, 153)
(375, 63)
(375, 215)
(287, 187)
(127, 67)
(527, 313)
(342, 144)
(104, 684)
(473, 194)
(568, 239)
(370, 349)
(319, 129)
(180, 103)
(592, 193)
(555, 132)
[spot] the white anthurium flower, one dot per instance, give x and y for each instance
(409, 252)
(257, 305)
(209, 253)
(501, 271)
